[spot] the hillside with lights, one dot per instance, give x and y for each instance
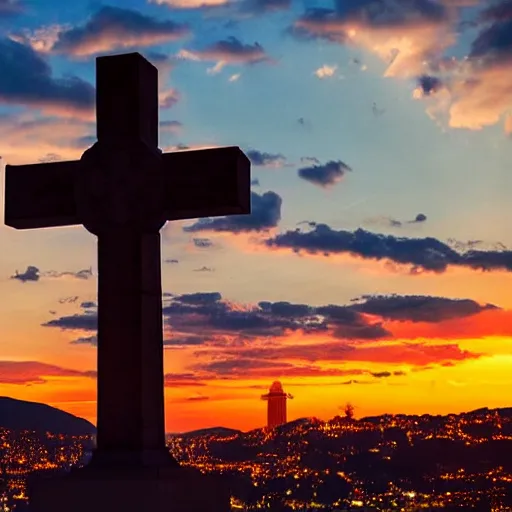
(389, 462)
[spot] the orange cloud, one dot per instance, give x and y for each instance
(28, 139)
(34, 372)
(110, 28)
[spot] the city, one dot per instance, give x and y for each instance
(388, 462)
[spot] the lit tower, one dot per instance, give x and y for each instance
(276, 408)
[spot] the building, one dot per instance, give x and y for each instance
(276, 405)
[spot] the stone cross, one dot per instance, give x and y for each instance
(123, 190)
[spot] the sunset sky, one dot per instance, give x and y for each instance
(376, 266)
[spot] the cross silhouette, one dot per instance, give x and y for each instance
(123, 190)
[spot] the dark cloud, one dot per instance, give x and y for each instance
(88, 304)
(87, 321)
(395, 223)
(331, 24)
(31, 274)
(31, 82)
(199, 298)
(171, 260)
(10, 8)
(202, 243)
(500, 11)
(229, 51)
(265, 214)
(68, 300)
(197, 398)
(262, 159)
(86, 340)
(255, 182)
(182, 379)
(324, 175)
(421, 217)
(386, 374)
(112, 28)
(262, 6)
(429, 85)
(204, 269)
(494, 42)
(421, 254)
(309, 160)
(182, 341)
(84, 274)
(208, 317)
(419, 308)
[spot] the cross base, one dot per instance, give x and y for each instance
(169, 489)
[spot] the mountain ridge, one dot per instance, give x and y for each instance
(20, 415)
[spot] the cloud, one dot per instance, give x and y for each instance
(202, 243)
(199, 298)
(10, 8)
(420, 254)
(413, 354)
(87, 321)
(172, 261)
(171, 126)
(405, 34)
(287, 339)
(192, 4)
(86, 340)
(83, 274)
(173, 380)
(480, 92)
(262, 159)
(265, 214)
(31, 274)
(324, 175)
(326, 71)
(429, 85)
(25, 138)
(31, 83)
(419, 308)
(27, 373)
(228, 51)
(183, 341)
(262, 6)
(395, 223)
(197, 398)
(109, 29)
(204, 269)
(415, 39)
(205, 318)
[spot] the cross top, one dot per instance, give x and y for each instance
(124, 180)
(123, 190)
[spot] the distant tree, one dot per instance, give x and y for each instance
(349, 411)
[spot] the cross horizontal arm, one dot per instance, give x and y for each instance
(206, 183)
(40, 195)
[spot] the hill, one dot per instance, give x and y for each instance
(22, 415)
(213, 431)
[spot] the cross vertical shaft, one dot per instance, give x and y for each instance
(130, 345)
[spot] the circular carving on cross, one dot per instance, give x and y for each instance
(120, 188)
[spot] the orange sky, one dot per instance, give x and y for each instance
(381, 151)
